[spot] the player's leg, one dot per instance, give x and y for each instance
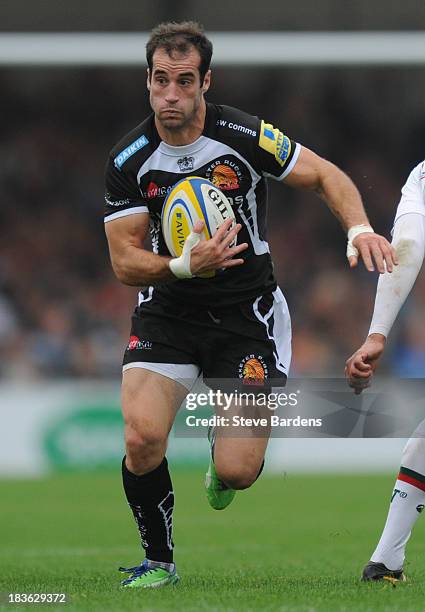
(149, 403)
(252, 358)
(235, 464)
(407, 503)
(157, 373)
(239, 461)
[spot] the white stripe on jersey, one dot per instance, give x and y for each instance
(260, 246)
(165, 157)
(155, 230)
(280, 334)
(128, 211)
(289, 167)
(204, 150)
(143, 299)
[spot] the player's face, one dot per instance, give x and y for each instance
(175, 89)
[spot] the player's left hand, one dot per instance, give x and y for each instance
(360, 367)
(374, 249)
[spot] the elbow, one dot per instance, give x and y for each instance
(123, 274)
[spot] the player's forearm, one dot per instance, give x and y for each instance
(138, 267)
(393, 289)
(341, 196)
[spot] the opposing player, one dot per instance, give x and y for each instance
(408, 498)
(225, 327)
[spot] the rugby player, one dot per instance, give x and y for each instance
(408, 498)
(235, 325)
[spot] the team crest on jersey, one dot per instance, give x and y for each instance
(225, 175)
(253, 370)
(186, 164)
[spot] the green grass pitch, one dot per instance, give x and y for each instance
(290, 543)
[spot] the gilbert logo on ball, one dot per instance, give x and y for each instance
(191, 199)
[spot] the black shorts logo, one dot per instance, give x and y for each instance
(253, 370)
(135, 344)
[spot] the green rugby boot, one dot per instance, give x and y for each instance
(149, 576)
(219, 495)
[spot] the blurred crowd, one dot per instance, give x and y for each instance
(63, 313)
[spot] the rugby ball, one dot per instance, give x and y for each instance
(191, 199)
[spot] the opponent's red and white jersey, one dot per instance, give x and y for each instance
(413, 193)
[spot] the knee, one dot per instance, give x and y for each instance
(145, 448)
(238, 477)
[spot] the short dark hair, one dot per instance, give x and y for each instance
(173, 36)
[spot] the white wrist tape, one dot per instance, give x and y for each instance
(180, 266)
(353, 232)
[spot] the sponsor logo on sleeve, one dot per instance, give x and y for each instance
(283, 149)
(135, 146)
(273, 141)
(111, 202)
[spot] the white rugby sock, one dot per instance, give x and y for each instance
(407, 503)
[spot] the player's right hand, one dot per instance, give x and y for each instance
(360, 367)
(216, 253)
(375, 251)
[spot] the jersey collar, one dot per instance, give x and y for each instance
(193, 147)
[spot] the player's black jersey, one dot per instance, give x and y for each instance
(236, 152)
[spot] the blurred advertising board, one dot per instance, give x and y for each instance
(67, 425)
(46, 427)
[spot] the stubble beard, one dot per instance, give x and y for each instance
(178, 124)
(174, 125)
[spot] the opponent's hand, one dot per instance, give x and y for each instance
(216, 253)
(374, 248)
(360, 367)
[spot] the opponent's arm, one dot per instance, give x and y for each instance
(392, 291)
(343, 199)
(133, 265)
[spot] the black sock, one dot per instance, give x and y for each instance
(151, 500)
